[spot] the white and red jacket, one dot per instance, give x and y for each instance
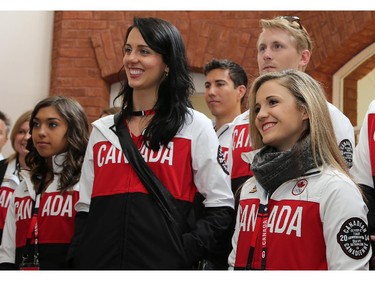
(344, 132)
(119, 224)
(224, 134)
(363, 169)
(10, 181)
(314, 222)
(239, 170)
(55, 221)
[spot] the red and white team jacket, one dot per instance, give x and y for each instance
(239, 170)
(344, 132)
(9, 184)
(314, 222)
(123, 227)
(224, 135)
(363, 169)
(55, 221)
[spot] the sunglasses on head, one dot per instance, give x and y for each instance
(292, 19)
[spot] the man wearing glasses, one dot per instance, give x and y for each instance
(283, 44)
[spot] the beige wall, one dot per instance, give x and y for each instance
(366, 93)
(25, 59)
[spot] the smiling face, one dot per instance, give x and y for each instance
(278, 119)
(144, 67)
(277, 50)
(49, 132)
(20, 139)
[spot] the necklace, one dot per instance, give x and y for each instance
(143, 112)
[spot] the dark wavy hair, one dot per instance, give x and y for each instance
(77, 138)
(173, 97)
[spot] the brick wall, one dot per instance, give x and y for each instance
(87, 47)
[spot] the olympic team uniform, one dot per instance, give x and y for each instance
(8, 185)
(55, 222)
(239, 170)
(224, 134)
(119, 225)
(314, 222)
(363, 169)
(344, 132)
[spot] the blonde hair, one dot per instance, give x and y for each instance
(294, 28)
(309, 95)
(25, 117)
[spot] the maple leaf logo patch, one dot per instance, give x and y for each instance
(299, 187)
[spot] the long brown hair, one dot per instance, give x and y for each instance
(77, 138)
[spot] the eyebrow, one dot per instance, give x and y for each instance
(139, 46)
(272, 97)
(267, 98)
(48, 119)
(217, 80)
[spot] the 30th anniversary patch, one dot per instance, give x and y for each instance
(354, 238)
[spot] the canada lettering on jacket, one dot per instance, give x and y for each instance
(56, 205)
(282, 219)
(23, 209)
(5, 197)
(240, 137)
(111, 155)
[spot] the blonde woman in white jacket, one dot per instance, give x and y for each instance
(301, 210)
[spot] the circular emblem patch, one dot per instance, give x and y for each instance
(299, 187)
(346, 149)
(221, 160)
(354, 238)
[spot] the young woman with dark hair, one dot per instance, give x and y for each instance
(40, 220)
(119, 224)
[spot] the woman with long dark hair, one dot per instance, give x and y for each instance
(119, 224)
(40, 220)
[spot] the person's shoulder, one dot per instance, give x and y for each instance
(198, 117)
(243, 117)
(249, 188)
(333, 177)
(196, 122)
(338, 116)
(104, 122)
(371, 107)
(334, 110)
